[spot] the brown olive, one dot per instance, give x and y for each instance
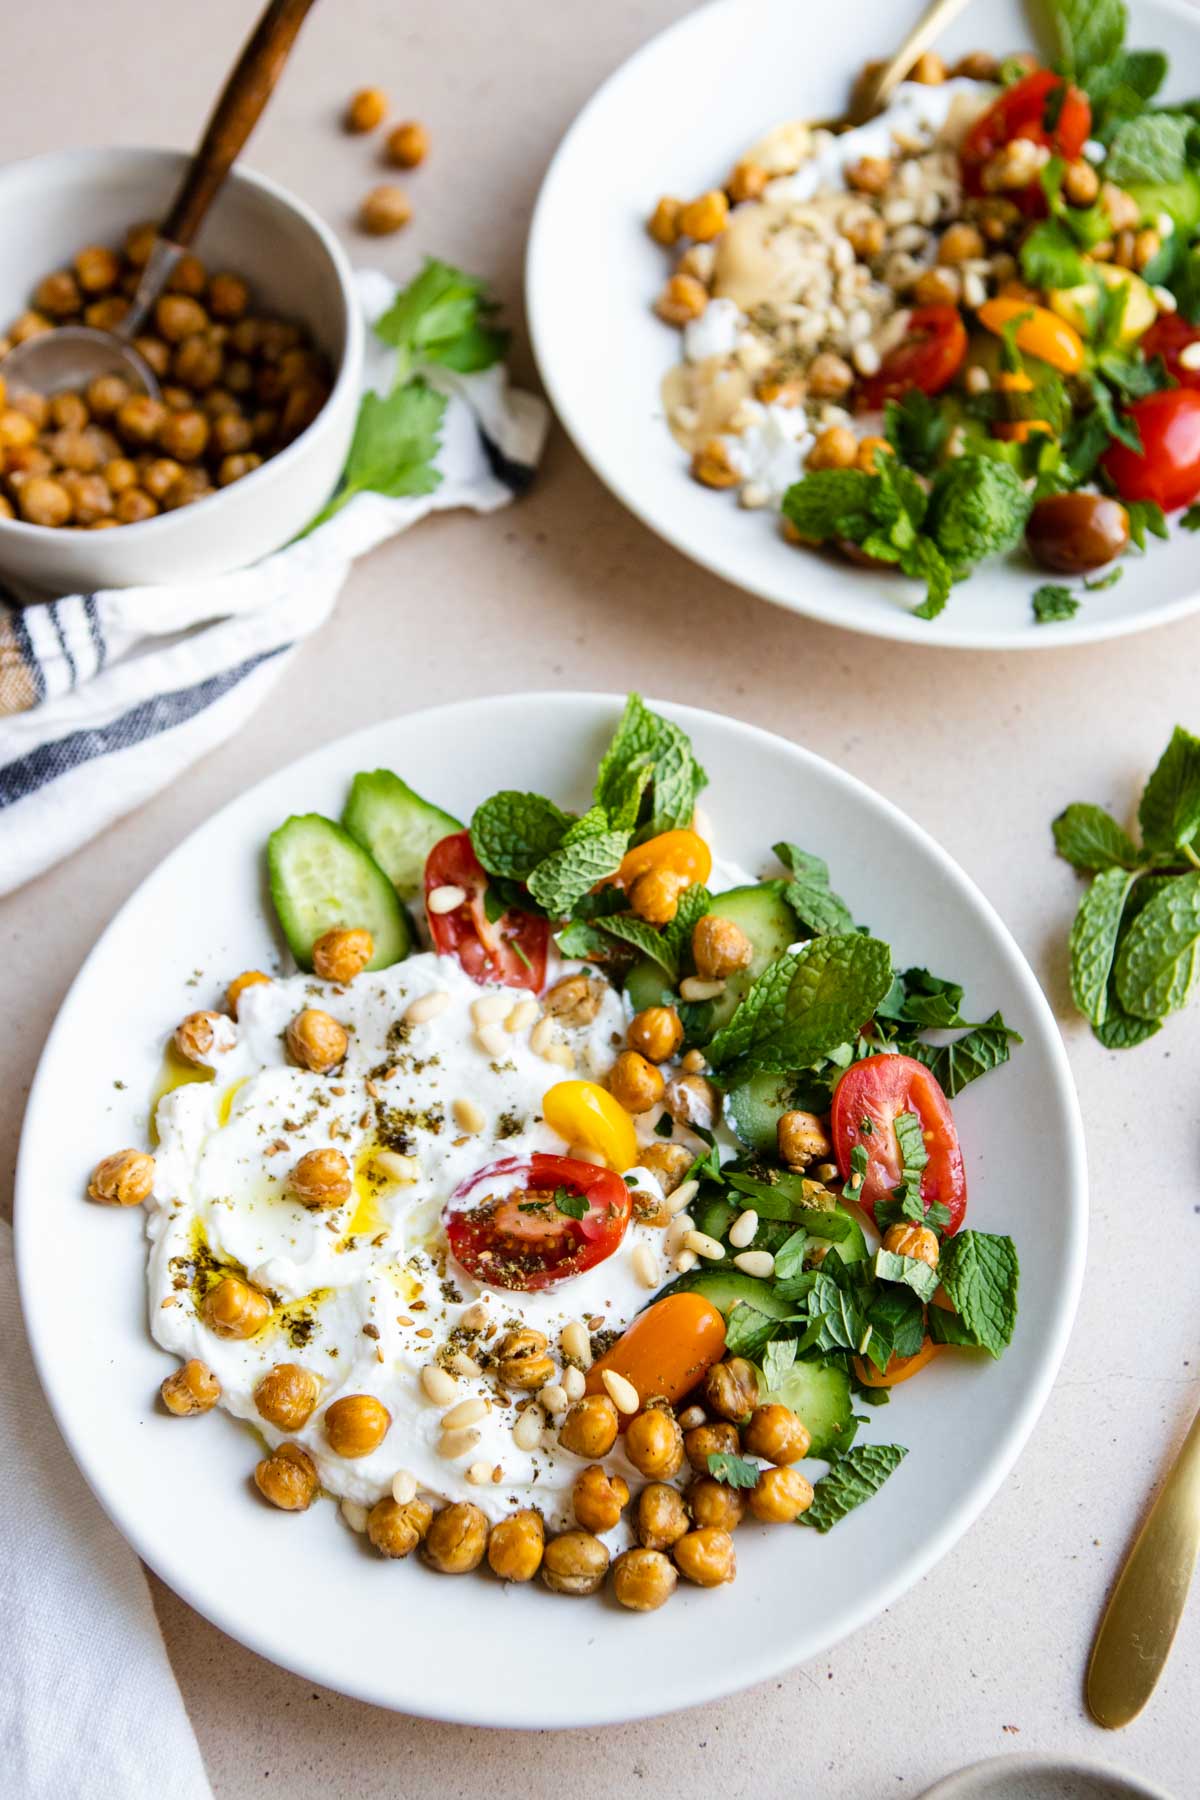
(1074, 533)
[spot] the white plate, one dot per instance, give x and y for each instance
(674, 119)
(304, 1591)
(1034, 1777)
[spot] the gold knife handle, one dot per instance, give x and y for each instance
(875, 94)
(1139, 1624)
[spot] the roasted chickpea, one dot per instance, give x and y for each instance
(802, 1140)
(913, 1240)
(660, 1519)
(228, 296)
(643, 1580)
(779, 1496)
(234, 1309)
(960, 243)
(185, 435)
(929, 69)
(829, 376)
(340, 955)
(692, 1100)
(192, 1389)
(977, 65)
(1123, 210)
(32, 406)
(189, 276)
(668, 1163)
(316, 1041)
(396, 1530)
(232, 433)
(712, 468)
(599, 1499)
(198, 361)
(356, 1424)
(58, 294)
(776, 1434)
(663, 223)
(523, 1361)
(90, 498)
(385, 209)
(236, 468)
(237, 987)
(867, 236)
(575, 1000)
(202, 1035)
(1081, 183)
(590, 1427)
(302, 405)
(871, 448)
(321, 1180)
(43, 501)
(139, 241)
(178, 317)
(715, 1504)
(457, 1539)
(97, 269)
(140, 419)
(408, 145)
(69, 411)
(286, 1396)
(656, 1033)
(30, 324)
(515, 1547)
(654, 896)
(717, 1439)
(134, 505)
(160, 475)
(365, 110)
(706, 1557)
(683, 299)
(155, 352)
(731, 1388)
(575, 1562)
(705, 218)
(287, 1478)
(836, 448)
(720, 948)
(747, 181)
(635, 1083)
(654, 1442)
(106, 395)
(7, 509)
(125, 1178)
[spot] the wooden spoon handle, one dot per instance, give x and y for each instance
(235, 115)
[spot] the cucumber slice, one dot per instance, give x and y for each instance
(853, 1247)
(820, 1396)
(770, 924)
(726, 1287)
(321, 878)
(648, 984)
(396, 826)
(756, 1107)
(714, 1216)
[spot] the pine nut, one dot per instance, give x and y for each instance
(691, 1417)
(523, 1014)
(467, 1412)
(527, 1432)
(355, 1515)
(1189, 356)
(544, 1033)
(468, 1116)
(687, 1259)
(475, 1317)
(585, 1153)
(574, 1384)
(741, 1232)
(676, 1233)
(704, 1246)
(672, 1204)
(554, 1397)
(866, 358)
(645, 1265)
(445, 899)
(438, 1384)
(685, 1193)
(464, 1365)
(395, 1166)
(755, 1262)
(404, 1487)
(490, 1039)
(480, 1474)
(427, 1007)
(826, 1172)
(549, 1438)
(489, 1008)
(561, 1055)
(622, 1393)
(576, 1344)
(453, 1444)
(693, 988)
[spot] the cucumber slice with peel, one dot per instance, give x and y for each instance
(396, 827)
(819, 1395)
(321, 878)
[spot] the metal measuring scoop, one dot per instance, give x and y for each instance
(70, 356)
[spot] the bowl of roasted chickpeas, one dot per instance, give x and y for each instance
(256, 346)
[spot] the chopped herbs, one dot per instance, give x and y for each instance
(734, 1471)
(854, 1477)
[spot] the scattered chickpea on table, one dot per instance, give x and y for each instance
(386, 208)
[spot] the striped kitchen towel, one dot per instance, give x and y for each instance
(105, 698)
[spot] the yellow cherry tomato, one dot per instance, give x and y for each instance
(683, 852)
(1041, 333)
(900, 1368)
(584, 1113)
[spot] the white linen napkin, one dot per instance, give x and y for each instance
(88, 1702)
(105, 698)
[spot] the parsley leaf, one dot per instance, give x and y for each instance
(1089, 838)
(1145, 516)
(734, 1471)
(642, 741)
(805, 1004)
(1169, 813)
(443, 316)
(512, 832)
(980, 1273)
(853, 1478)
(1052, 604)
(809, 894)
(1050, 257)
(396, 437)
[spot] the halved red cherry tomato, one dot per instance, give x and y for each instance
(1168, 337)
(1020, 112)
(865, 1104)
(507, 1227)
(510, 950)
(1167, 469)
(929, 357)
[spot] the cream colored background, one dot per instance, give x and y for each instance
(987, 1654)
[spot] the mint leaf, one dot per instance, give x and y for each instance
(1090, 33)
(1093, 941)
(805, 1004)
(809, 894)
(1169, 813)
(1050, 257)
(694, 902)
(917, 428)
(734, 1471)
(513, 832)
(1150, 148)
(395, 440)
(980, 1274)
(854, 1478)
(443, 316)
(1089, 838)
(969, 1057)
(897, 1320)
(748, 1331)
(644, 937)
(978, 507)
(590, 852)
(1159, 961)
(1053, 603)
(1119, 1030)
(778, 1358)
(644, 740)
(925, 562)
(906, 1271)
(1190, 520)
(789, 1258)
(573, 1206)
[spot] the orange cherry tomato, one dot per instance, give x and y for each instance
(900, 1368)
(1041, 333)
(683, 852)
(667, 1349)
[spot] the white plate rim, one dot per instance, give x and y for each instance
(590, 1710)
(898, 626)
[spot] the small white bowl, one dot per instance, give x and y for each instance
(50, 207)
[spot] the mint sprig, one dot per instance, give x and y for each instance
(805, 1004)
(855, 1477)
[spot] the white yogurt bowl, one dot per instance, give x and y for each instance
(50, 207)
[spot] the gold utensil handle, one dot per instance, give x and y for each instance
(1139, 1624)
(875, 94)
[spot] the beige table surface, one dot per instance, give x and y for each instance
(986, 1655)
